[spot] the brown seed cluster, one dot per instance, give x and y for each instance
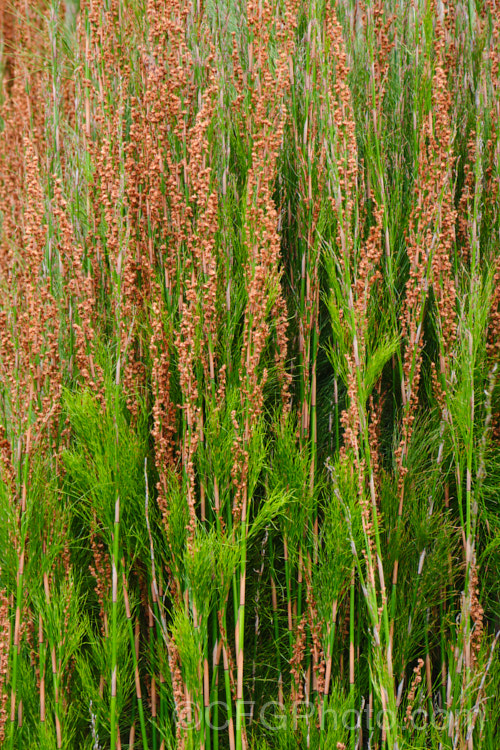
(464, 205)
(374, 19)
(340, 101)
(493, 346)
(30, 322)
(316, 647)
(416, 680)
(100, 570)
(265, 302)
(430, 243)
(477, 614)
(296, 660)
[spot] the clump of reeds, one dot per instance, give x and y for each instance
(249, 398)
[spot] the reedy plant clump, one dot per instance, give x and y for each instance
(249, 449)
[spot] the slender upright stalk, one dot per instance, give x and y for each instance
(114, 625)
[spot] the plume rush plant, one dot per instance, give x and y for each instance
(249, 324)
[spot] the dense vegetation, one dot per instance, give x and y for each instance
(249, 389)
